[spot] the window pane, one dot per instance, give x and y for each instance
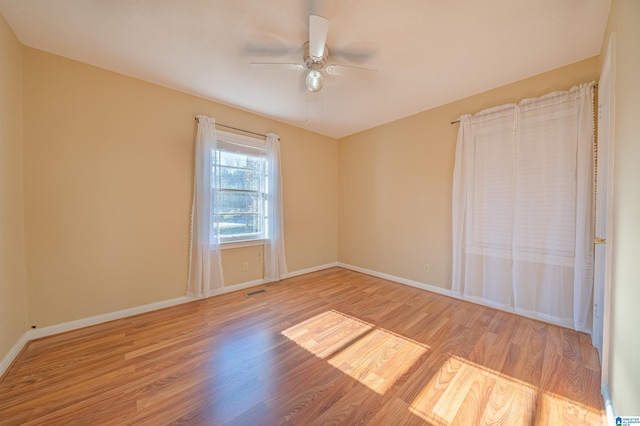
(237, 225)
(232, 178)
(240, 191)
(240, 202)
(234, 159)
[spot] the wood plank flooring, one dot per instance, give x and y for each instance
(332, 347)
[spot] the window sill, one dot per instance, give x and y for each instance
(238, 244)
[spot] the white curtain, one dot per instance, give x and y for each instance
(522, 207)
(275, 266)
(205, 266)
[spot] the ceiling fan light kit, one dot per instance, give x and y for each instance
(314, 64)
(314, 81)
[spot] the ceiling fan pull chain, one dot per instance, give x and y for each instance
(306, 107)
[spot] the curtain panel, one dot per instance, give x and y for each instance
(522, 207)
(275, 265)
(205, 265)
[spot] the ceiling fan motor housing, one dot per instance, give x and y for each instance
(312, 62)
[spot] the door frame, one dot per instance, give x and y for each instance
(606, 139)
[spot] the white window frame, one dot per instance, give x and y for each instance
(254, 143)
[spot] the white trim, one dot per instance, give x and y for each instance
(608, 405)
(309, 270)
(110, 316)
(610, 59)
(449, 293)
(13, 353)
(37, 333)
(81, 323)
(238, 139)
(242, 286)
(225, 245)
(423, 286)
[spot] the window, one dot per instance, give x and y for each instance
(239, 188)
(522, 207)
(237, 201)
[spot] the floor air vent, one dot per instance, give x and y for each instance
(253, 293)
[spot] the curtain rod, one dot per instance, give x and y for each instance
(595, 86)
(235, 128)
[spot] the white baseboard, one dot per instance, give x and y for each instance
(242, 286)
(85, 322)
(37, 333)
(423, 286)
(608, 405)
(98, 319)
(447, 292)
(13, 353)
(312, 269)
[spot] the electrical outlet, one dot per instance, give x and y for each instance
(245, 266)
(427, 267)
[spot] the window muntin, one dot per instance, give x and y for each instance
(239, 188)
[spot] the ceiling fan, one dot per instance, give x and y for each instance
(315, 55)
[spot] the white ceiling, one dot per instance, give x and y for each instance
(427, 52)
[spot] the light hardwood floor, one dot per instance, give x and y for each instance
(332, 347)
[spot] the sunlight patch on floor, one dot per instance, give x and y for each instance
(373, 356)
(462, 392)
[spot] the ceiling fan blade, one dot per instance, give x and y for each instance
(277, 66)
(318, 28)
(268, 49)
(354, 54)
(345, 70)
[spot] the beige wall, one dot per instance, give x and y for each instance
(396, 182)
(624, 369)
(13, 307)
(108, 165)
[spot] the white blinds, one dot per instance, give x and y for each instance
(493, 184)
(545, 160)
(522, 207)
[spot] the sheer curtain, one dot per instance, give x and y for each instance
(205, 266)
(522, 207)
(275, 266)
